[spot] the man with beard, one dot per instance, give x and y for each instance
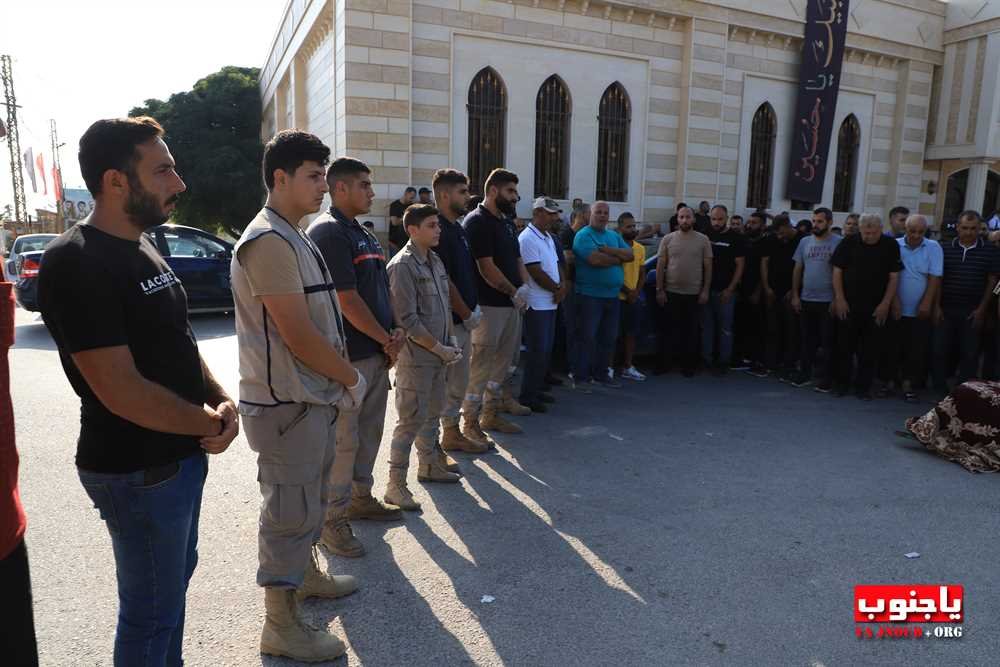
(782, 325)
(357, 264)
(150, 408)
(748, 326)
(703, 218)
(502, 289)
(451, 193)
(294, 379)
(397, 233)
(897, 221)
(628, 296)
(683, 279)
(812, 294)
(728, 260)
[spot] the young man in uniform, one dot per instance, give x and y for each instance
(451, 191)
(357, 263)
(418, 283)
(294, 379)
(502, 296)
(150, 408)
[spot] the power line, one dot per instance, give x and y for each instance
(13, 141)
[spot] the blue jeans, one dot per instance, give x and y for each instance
(154, 534)
(539, 333)
(598, 333)
(717, 325)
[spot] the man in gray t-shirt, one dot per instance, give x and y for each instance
(812, 293)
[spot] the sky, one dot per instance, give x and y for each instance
(78, 62)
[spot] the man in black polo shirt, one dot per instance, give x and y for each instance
(357, 264)
(776, 268)
(451, 192)
(502, 288)
(150, 408)
(748, 323)
(397, 233)
(728, 259)
(971, 267)
(866, 270)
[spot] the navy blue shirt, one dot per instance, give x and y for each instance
(965, 274)
(356, 262)
(490, 236)
(456, 255)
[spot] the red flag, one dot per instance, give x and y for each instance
(40, 161)
(57, 184)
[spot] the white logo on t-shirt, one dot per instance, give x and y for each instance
(158, 283)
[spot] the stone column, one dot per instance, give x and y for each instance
(975, 187)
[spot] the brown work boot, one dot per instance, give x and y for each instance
(512, 406)
(319, 585)
(286, 634)
(397, 493)
(450, 464)
(473, 432)
(490, 420)
(454, 440)
(435, 472)
(368, 507)
(339, 539)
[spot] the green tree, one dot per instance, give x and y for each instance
(213, 132)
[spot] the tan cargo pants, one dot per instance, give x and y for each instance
(420, 394)
(457, 378)
(496, 346)
(295, 445)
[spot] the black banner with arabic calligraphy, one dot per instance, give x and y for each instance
(819, 84)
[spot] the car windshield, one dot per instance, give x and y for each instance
(31, 244)
(191, 245)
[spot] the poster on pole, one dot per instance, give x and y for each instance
(77, 204)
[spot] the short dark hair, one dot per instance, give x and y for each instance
(343, 168)
(722, 206)
(110, 144)
(417, 213)
(970, 215)
(625, 216)
(736, 216)
(761, 215)
(856, 216)
(896, 210)
(825, 212)
(781, 220)
(423, 190)
(498, 178)
(410, 189)
(703, 201)
(680, 206)
(448, 177)
(288, 149)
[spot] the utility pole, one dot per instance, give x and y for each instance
(13, 141)
(57, 173)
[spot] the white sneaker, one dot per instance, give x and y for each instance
(631, 373)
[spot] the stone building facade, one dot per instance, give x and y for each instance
(392, 82)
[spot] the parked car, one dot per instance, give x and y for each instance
(22, 244)
(199, 259)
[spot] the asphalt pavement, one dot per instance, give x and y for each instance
(675, 522)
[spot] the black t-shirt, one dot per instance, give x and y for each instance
(566, 237)
(703, 224)
(755, 247)
(490, 236)
(726, 247)
(780, 264)
(456, 255)
(356, 262)
(397, 233)
(866, 269)
(96, 290)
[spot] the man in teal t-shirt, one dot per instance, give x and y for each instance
(599, 255)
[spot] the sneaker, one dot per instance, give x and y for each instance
(758, 371)
(801, 380)
(631, 373)
(824, 387)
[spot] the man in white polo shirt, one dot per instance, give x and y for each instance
(545, 291)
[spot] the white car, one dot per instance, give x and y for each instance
(22, 244)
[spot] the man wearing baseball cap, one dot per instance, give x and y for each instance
(545, 291)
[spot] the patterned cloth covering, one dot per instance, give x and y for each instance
(964, 427)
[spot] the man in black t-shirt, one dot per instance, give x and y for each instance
(425, 196)
(150, 408)
(567, 307)
(502, 287)
(728, 260)
(357, 265)
(866, 270)
(782, 323)
(748, 324)
(397, 233)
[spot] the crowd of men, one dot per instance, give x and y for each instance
(323, 314)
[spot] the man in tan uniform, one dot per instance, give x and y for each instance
(294, 379)
(418, 283)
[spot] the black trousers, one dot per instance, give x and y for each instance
(17, 641)
(858, 334)
(782, 326)
(817, 331)
(749, 331)
(905, 351)
(679, 336)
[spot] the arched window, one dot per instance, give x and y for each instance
(848, 143)
(614, 120)
(552, 112)
(762, 137)
(487, 126)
